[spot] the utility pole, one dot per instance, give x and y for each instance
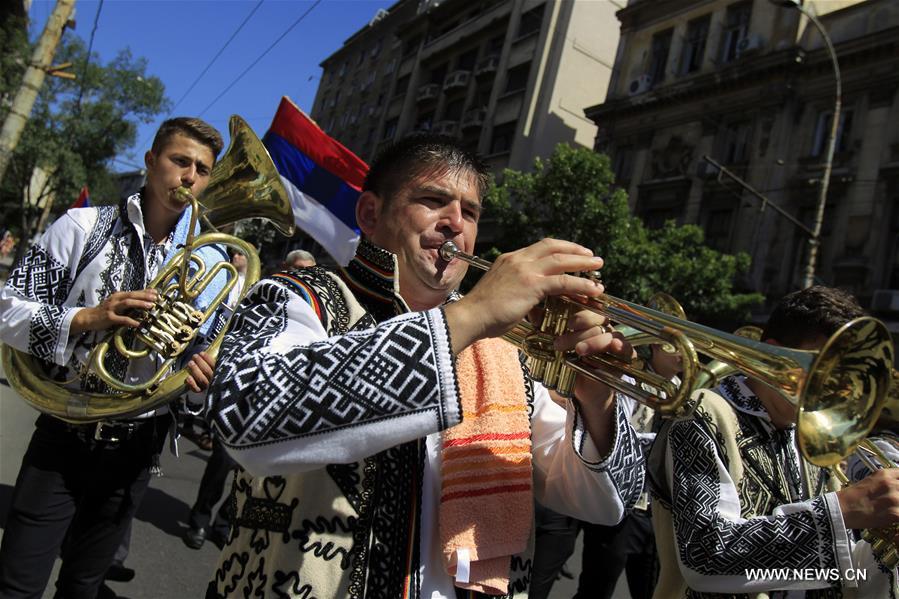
(37, 69)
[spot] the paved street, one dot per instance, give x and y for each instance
(166, 568)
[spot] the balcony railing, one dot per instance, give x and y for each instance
(473, 118)
(456, 80)
(487, 65)
(446, 127)
(428, 93)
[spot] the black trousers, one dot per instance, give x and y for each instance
(212, 485)
(555, 538)
(74, 497)
(628, 546)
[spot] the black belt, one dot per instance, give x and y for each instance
(105, 431)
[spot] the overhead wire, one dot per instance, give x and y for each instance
(261, 56)
(209, 64)
(217, 54)
(87, 58)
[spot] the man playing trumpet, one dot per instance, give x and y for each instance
(740, 512)
(392, 444)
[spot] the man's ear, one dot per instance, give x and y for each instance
(149, 159)
(368, 211)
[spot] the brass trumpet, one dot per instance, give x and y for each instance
(243, 184)
(839, 391)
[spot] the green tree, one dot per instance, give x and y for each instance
(572, 196)
(76, 127)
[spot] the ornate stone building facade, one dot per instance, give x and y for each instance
(750, 84)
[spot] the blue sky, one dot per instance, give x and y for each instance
(180, 38)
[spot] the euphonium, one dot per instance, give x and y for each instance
(839, 391)
(243, 184)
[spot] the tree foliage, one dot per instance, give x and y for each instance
(572, 196)
(76, 126)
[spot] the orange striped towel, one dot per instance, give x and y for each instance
(486, 501)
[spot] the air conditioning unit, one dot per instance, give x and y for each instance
(749, 44)
(640, 85)
(885, 300)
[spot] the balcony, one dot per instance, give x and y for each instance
(445, 128)
(428, 93)
(456, 80)
(474, 118)
(487, 66)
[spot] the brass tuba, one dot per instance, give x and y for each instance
(243, 184)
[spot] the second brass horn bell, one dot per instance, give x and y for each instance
(243, 184)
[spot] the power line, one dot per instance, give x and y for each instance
(87, 59)
(261, 56)
(214, 58)
(209, 65)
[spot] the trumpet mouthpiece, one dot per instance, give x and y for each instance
(183, 194)
(448, 250)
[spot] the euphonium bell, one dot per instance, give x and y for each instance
(243, 184)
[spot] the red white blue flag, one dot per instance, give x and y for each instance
(322, 177)
(83, 201)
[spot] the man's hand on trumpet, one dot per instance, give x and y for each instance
(590, 333)
(516, 283)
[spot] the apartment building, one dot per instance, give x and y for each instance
(750, 84)
(510, 78)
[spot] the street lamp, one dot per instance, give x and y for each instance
(815, 240)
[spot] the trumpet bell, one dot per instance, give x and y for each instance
(845, 391)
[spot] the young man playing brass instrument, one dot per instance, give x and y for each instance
(84, 276)
(392, 444)
(740, 513)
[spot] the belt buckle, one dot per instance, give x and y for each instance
(643, 502)
(105, 431)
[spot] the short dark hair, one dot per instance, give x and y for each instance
(809, 313)
(192, 127)
(421, 153)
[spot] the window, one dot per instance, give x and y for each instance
(467, 61)
(390, 66)
(694, 45)
(411, 46)
(517, 78)
(390, 129)
(438, 74)
(402, 85)
(661, 43)
(822, 130)
(531, 21)
(656, 206)
(502, 138)
(482, 97)
(736, 27)
(376, 49)
(425, 121)
(623, 164)
(453, 111)
(717, 228)
(495, 45)
(735, 139)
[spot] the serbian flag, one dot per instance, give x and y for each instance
(322, 177)
(83, 201)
